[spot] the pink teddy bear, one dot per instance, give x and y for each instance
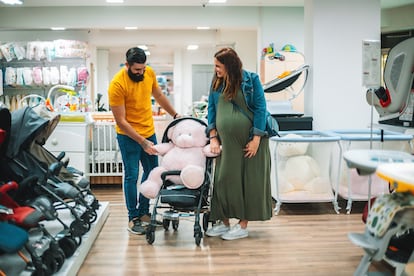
(186, 152)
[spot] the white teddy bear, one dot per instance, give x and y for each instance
(186, 152)
(298, 171)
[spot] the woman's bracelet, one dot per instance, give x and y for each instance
(175, 115)
(211, 137)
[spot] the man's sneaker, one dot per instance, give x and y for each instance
(236, 232)
(135, 227)
(217, 230)
(146, 220)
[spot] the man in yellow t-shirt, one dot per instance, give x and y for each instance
(130, 93)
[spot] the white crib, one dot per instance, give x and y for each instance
(105, 161)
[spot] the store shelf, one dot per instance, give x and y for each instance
(73, 264)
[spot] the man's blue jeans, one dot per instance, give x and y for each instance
(132, 153)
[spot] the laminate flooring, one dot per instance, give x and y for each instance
(303, 239)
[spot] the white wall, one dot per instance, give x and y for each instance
(325, 30)
(282, 26)
(333, 47)
(102, 75)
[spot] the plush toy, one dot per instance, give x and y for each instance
(298, 171)
(186, 152)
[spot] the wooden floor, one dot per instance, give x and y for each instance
(304, 239)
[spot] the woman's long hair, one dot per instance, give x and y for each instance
(232, 81)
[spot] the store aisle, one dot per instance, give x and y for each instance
(304, 239)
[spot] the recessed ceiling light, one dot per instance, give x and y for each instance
(143, 47)
(203, 28)
(192, 47)
(148, 53)
(12, 2)
(131, 28)
(217, 1)
(58, 28)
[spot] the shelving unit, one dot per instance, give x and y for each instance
(63, 62)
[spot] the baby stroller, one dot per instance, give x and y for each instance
(25, 156)
(181, 201)
(46, 254)
(19, 163)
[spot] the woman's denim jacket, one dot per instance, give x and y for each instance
(253, 94)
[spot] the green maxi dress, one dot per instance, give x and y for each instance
(241, 187)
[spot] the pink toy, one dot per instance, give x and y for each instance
(186, 152)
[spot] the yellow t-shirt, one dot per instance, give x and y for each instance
(136, 97)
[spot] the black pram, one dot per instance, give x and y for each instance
(182, 201)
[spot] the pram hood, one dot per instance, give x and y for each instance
(26, 125)
(166, 139)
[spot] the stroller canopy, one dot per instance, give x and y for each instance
(166, 139)
(26, 124)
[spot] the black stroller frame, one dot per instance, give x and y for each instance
(47, 251)
(22, 162)
(42, 179)
(181, 201)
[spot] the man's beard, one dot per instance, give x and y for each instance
(135, 77)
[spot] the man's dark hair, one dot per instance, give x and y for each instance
(136, 55)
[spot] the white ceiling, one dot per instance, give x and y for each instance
(289, 3)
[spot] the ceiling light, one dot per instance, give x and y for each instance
(114, 1)
(58, 28)
(217, 1)
(203, 28)
(192, 47)
(143, 47)
(131, 28)
(148, 53)
(12, 2)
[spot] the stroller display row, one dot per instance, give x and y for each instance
(36, 188)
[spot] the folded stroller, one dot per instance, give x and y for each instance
(180, 200)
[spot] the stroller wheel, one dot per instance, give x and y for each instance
(150, 236)
(68, 246)
(166, 224)
(198, 237)
(90, 216)
(59, 258)
(49, 260)
(41, 271)
(206, 219)
(175, 224)
(78, 228)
